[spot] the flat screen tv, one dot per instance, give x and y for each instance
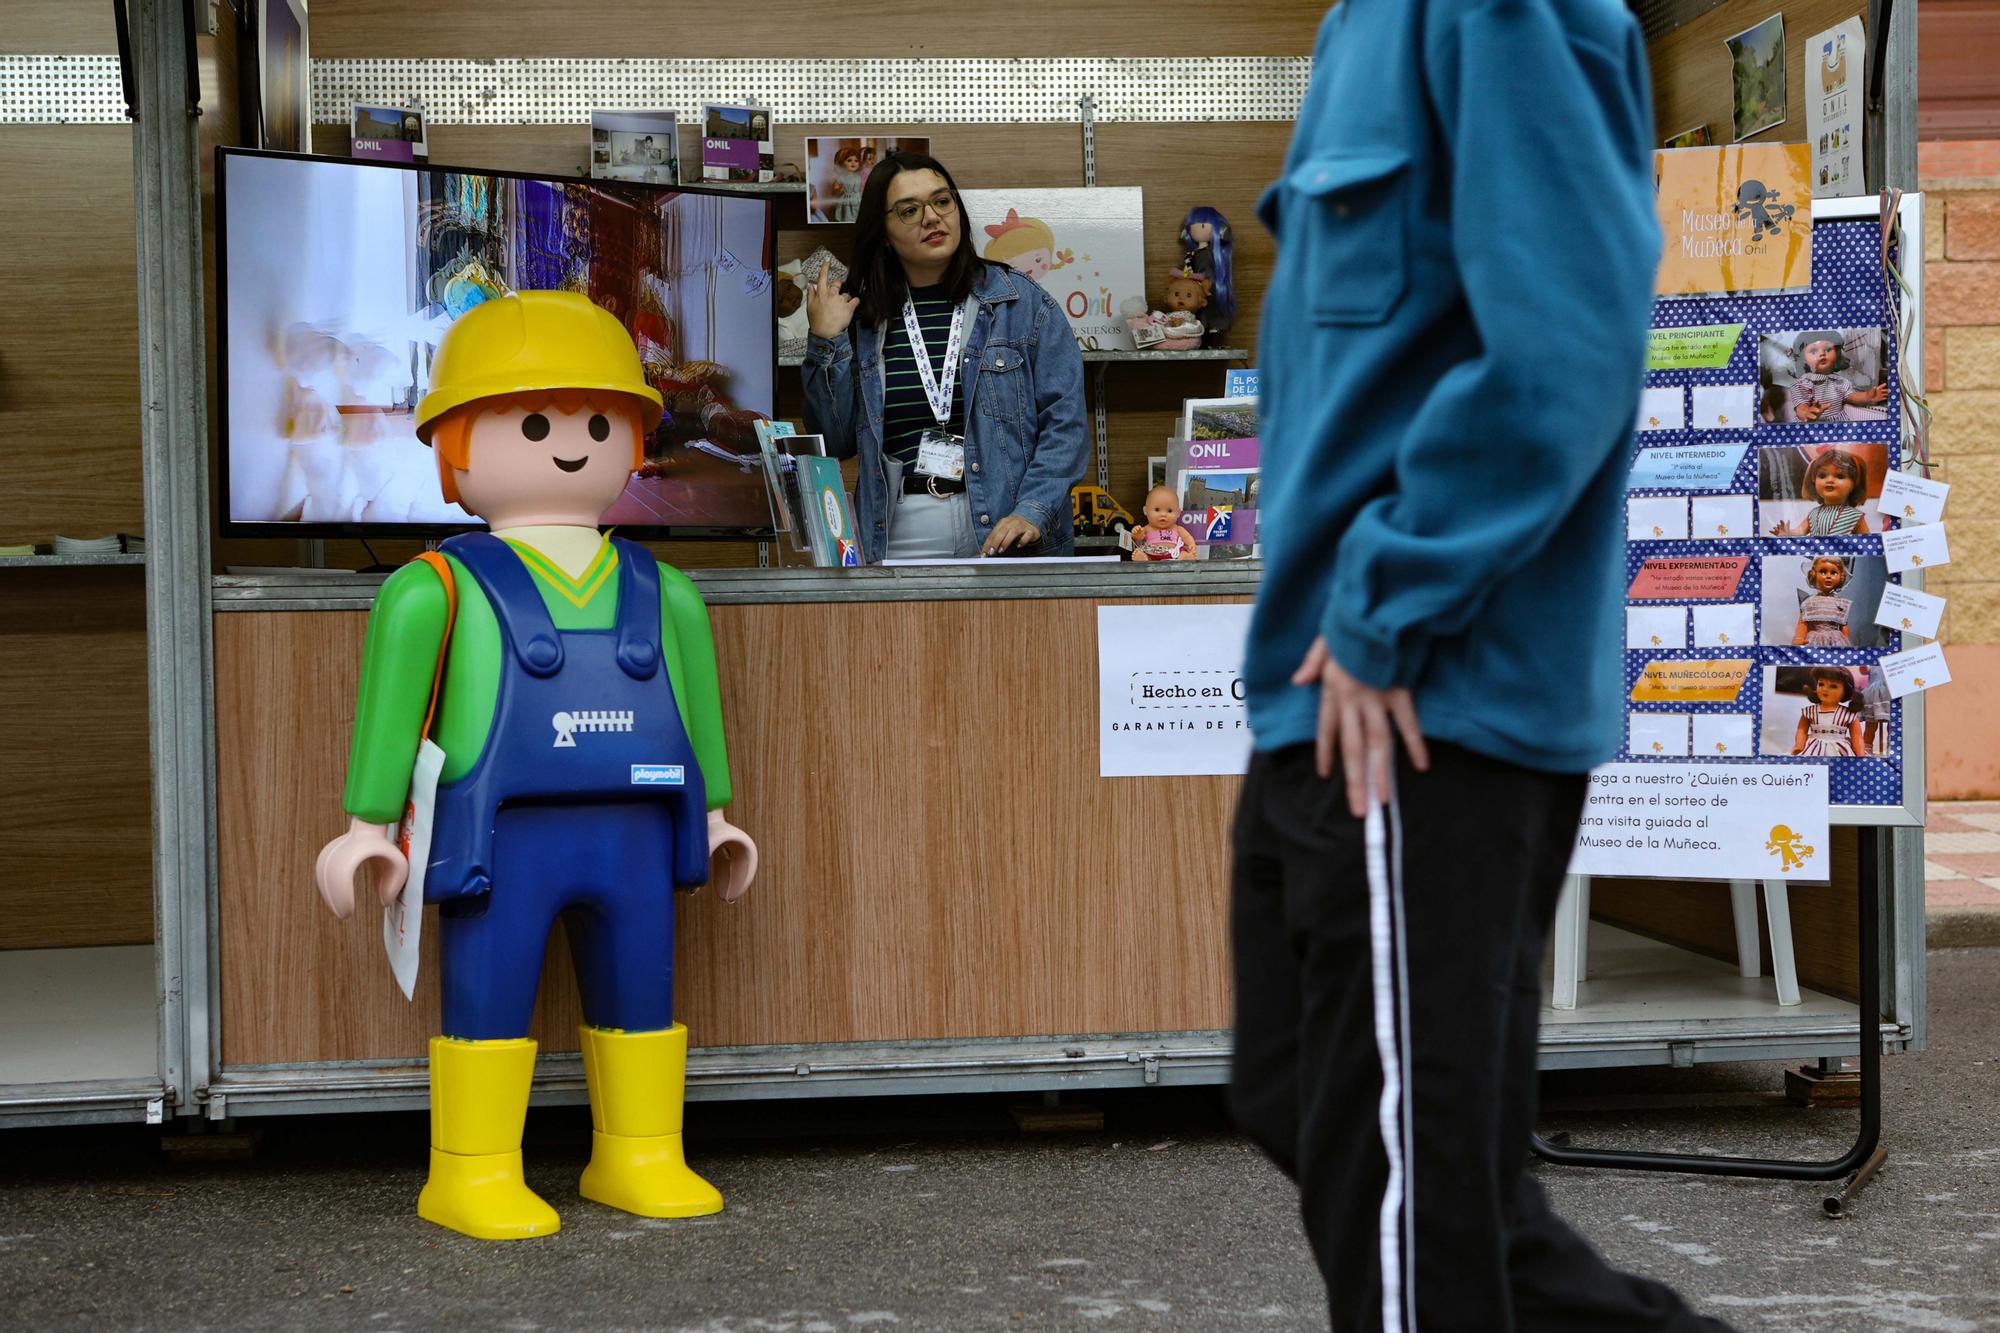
(336, 279)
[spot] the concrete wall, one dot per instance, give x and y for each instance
(1961, 181)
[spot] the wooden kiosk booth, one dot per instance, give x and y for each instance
(951, 897)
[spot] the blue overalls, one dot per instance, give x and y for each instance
(586, 803)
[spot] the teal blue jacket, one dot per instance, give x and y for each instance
(1452, 350)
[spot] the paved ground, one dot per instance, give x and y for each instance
(911, 1215)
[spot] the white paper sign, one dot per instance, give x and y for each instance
(1834, 61)
(1917, 670)
(1705, 821)
(1723, 406)
(1922, 547)
(1170, 691)
(1910, 611)
(1722, 517)
(1662, 409)
(1656, 518)
(1730, 626)
(1723, 734)
(1913, 499)
(403, 918)
(1661, 734)
(1656, 627)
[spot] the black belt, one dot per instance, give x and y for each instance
(938, 487)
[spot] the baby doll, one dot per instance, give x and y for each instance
(1823, 394)
(1829, 724)
(1822, 614)
(1187, 296)
(1163, 536)
(1839, 482)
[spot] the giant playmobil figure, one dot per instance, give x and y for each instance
(584, 772)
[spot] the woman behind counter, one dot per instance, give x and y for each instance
(957, 379)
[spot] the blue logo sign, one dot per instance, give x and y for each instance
(659, 775)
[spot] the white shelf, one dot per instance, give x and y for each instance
(79, 1015)
(69, 561)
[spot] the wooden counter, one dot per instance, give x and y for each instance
(940, 858)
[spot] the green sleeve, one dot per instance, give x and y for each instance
(398, 661)
(684, 621)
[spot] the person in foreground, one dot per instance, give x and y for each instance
(1454, 341)
(957, 380)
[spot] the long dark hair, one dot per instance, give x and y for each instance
(875, 277)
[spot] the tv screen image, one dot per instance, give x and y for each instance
(337, 279)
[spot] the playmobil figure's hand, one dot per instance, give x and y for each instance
(341, 860)
(732, 858)
(828, 309)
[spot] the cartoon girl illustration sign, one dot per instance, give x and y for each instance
(1026, 245)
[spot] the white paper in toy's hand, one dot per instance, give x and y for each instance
(1656, 626)
(1661, 734)
(1918, 669)
(1909, 611)
(1722, 517)
(1922, 547)
(1723, 733)
(403, 918)
(1723, 406)
(1913, 500)
(1662, 409)
(1731, 626)
(1654, 518)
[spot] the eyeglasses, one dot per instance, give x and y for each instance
(910, 210)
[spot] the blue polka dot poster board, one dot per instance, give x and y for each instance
(1847, 293)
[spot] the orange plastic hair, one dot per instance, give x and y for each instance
(451, 434)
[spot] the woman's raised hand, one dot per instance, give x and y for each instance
(828, 309)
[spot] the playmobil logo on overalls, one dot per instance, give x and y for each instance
(568, 724)
(659, 775)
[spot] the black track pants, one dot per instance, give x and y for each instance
(1385, 1043)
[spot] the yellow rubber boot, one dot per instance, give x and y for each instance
(637, 1082)
(479, 1105)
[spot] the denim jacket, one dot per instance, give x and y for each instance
(1021, 378)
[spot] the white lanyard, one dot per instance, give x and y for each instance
(938, 393)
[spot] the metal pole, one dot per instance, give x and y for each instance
(174, 453)
(1855, 1158)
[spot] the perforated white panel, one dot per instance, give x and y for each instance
(565, 92)
(61, 90)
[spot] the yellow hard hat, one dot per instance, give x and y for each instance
(530, 342)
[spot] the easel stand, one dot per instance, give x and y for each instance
(1859, 1162)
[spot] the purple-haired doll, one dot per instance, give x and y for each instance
(1205, 235)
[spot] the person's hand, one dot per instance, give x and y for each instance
(1010, 532)
(1357, 718)
(828, 309)
(732, 858)
(341, 860)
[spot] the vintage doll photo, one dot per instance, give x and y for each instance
(635, 146)
(1819, 599)
(1822, 375)
(1825, 712)
(1820, 490)
(837, 167)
